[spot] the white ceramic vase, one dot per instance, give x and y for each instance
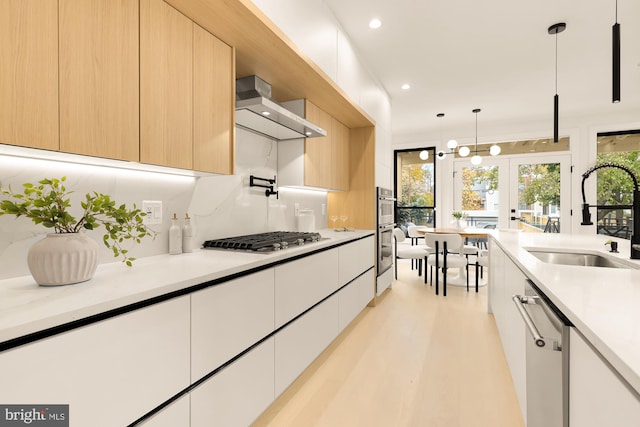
(63, 259)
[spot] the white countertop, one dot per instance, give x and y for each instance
(26, 307)
(602, 303)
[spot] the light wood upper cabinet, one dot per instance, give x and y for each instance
(186, 93)
(29, 73)
(99, 105)
(213, 103)
(340, 155)
(326, 160)
(317, 151)
(166, 86)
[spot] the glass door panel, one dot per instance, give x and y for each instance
(480, 195)
(539, 194)
(530, 193)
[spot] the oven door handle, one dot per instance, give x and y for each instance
(385, 198)
(386, 227)
(519, 301)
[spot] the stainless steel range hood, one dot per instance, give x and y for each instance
(256, 112)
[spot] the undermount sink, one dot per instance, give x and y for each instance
(583, 259)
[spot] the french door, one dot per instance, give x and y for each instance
(529, 193)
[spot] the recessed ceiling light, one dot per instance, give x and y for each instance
(375, 23)
(406, 86)
(265, 113)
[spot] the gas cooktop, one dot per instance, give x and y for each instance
(263, 242)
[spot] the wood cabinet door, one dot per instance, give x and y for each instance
(340, 155)
(29, 73)
(166, 86)
(99, 73)
(317, 151)
(213, 103)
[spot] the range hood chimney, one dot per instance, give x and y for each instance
(256, 112)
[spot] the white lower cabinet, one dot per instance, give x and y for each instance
(355, 258)
(110, 372)
(114, 371)
(355, 297)
(175, 415)
(304, 282)
(507, 280)
(597, 395)
(228, 318)
(300, 342)
(237, 394)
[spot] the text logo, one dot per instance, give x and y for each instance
(34, 415)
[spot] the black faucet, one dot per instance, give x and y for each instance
(635, 208)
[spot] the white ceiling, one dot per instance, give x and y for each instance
(496, 55)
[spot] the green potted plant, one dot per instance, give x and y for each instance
(458, 218)
(68, 256)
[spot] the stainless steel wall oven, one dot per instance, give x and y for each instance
(384, 237)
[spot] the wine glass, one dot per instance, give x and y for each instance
(344, 218)
(334, 218)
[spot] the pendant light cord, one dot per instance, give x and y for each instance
(616, 11)
(556, 63)
(476, 133)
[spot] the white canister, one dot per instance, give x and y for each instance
(306, 220)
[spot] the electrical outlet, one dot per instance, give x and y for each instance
(296, 209)
(153, 209)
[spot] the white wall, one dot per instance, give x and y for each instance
(323, 40)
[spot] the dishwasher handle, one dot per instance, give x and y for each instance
(519, 301)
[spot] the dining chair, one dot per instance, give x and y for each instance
(414, 236)
(448, 248)
(482, 261)
(405, 251)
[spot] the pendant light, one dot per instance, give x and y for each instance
(554, 30)
(615, 59)
(476, 159)
(441, 154)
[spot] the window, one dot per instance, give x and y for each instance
(415, 184)
(615, 187)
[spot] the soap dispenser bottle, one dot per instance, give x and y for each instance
(175, 237)
(187, 235)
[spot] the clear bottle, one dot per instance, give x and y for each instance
(187, 235)
(175, 237)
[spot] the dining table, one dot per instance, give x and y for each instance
(466, 233)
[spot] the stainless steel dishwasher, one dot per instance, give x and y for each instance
(547, 359)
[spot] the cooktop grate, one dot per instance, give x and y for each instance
(263, 242)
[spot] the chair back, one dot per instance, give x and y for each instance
(399, 235)
(412, 230)
(454, 241)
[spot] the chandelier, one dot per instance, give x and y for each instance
(464, 150)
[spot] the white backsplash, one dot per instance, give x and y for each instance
(220, 206)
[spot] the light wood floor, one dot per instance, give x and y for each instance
(416, 359)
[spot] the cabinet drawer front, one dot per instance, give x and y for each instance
(301, 342)
(355, 297)
(130, 363)
(237, 394)
(304, 282)
(228, 318)
(356, 258)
